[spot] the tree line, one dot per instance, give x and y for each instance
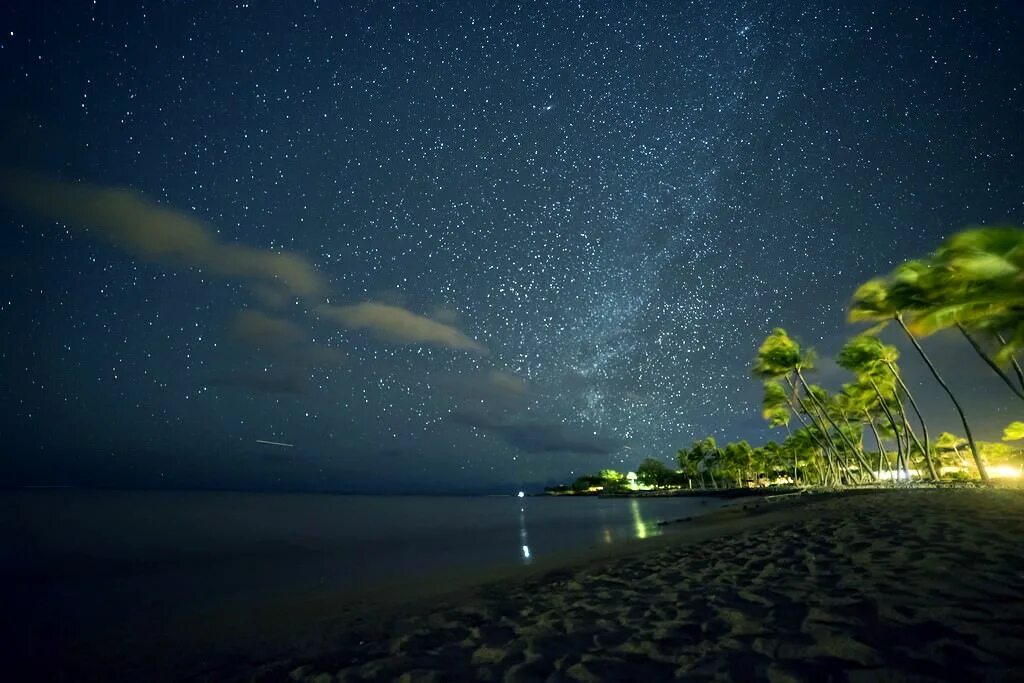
(973, 284)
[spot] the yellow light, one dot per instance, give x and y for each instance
(638, 522)
(1003, 471)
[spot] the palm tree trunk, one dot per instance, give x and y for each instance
(862, 458)
(832, 451)
(903, 434)
(920, 418)
(1013, 361)
(821, 408)
(892, 422)
(909, 429)
(988, 361)
(956, 404)
(828, 449)
(878, 440)
(823, 411)
(790, 433)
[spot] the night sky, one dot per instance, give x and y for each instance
(465, 245)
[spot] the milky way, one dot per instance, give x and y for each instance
(591, 213)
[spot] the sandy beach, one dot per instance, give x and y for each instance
(914, 585)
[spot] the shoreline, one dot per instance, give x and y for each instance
(771, 491)
(789, 589)
(136, 627)
(344, 615)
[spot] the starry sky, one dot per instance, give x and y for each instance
(466, 246)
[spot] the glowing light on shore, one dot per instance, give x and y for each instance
(897, 475)
(1003, 472)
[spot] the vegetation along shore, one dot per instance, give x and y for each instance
(972, 284)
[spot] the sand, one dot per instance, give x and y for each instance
(915, 585)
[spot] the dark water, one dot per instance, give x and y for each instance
(78, 564)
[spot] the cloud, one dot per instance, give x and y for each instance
(291, 381)
(447, 316)
(283, 338)
(151, 231)
(506, 383)
(148, 230)
(396, 324)
(540, 437)
(495, 389)
(261, 330)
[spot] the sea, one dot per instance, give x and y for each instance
(107, 574)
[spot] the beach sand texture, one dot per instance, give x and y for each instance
(894, 586)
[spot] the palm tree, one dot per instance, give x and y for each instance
(973, 282)
(863, 355)
(777, 409)
(687, 466)
(712, 458)
(834, 409)
(861, 400)
(776, 460)
(803, 445)
(775, 406)
(945, 444)
(738, 458)
(821, 400)
(879, 301)
(691, 460)
(780, 357)
(886, 431)
(705, 456)
(1014, 431)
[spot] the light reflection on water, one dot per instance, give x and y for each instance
(523, 539)
(235, 546)
(640, 528)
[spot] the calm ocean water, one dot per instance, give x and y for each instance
(79, 562)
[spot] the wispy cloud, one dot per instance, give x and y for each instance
(399, 325)
(283, 338)
(159, 233)
(493, 390)
(259, 329)
(149, 230)
(534, 437)
(506, 383)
